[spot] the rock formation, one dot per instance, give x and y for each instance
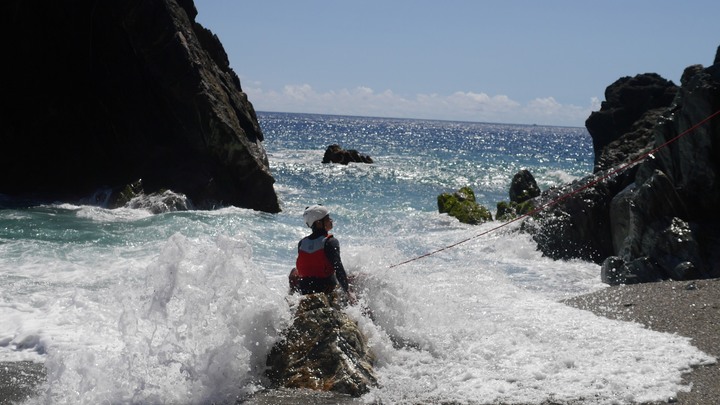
(322, 350)
(657, 219)
(523, 187)
(463, 206)
(626, 103)
(100, 94)
(336, 154)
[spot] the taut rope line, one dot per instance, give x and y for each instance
(566, 195)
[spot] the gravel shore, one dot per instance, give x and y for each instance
(687, 308)
(19, 380)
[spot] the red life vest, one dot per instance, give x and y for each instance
(311, 260)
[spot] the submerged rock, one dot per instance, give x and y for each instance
(133, 195)
(462, 205)
(323, 350)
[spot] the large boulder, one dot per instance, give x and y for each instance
(652, 218)
(463, 206)
(322, 350)
(523, 187)
(104, 93)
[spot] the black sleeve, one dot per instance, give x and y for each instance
(332, 251)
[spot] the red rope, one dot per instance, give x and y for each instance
(567, 195)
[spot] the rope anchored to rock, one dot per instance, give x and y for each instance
(565, 196)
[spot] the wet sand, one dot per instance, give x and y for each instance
(19, 380)
(686, 308)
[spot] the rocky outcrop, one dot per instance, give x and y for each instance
(105, 93)
(322, 350)
(621, 116)
(336, 154)
(523, 187)
(463, 206)
(506, 211)
(576, 225)
(656, 219)
(133, 196)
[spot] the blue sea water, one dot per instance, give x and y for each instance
(126, 306)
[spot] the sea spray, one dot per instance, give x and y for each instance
(195, 331)
(123, 306)
(469, 332)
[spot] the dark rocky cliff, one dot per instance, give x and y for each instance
(657, 219)
(102, 93)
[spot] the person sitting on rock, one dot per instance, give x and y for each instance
(318, 267)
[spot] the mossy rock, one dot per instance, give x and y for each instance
(461, 205)
(507, 211)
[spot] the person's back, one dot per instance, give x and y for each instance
(318, 267)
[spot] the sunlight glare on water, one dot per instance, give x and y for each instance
(123, 306)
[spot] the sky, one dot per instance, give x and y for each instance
(521, 62)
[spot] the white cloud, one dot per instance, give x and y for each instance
(463, 106)
(299, 93)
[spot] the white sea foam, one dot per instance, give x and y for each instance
(182, 307)
(468, 332)
(557, 177)
(194, 323)
(192, 327)
(192, 319)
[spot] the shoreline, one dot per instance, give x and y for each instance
(686, 308)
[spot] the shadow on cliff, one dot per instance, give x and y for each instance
(100, 94)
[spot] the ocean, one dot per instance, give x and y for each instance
(127, 306)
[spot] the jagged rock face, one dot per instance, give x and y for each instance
(662, 214)
(105, 93)
(576, 226)
(322, 350)
(626, 101)
(673, 203)
(632, 145)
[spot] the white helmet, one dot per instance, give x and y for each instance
(314, 213)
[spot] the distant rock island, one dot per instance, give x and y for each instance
(336, 154)
(645, 217)
(102, 94)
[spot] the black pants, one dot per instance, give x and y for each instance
(313, 285)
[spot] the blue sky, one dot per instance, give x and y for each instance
(526, 62)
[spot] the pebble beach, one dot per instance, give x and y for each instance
(686, 308)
